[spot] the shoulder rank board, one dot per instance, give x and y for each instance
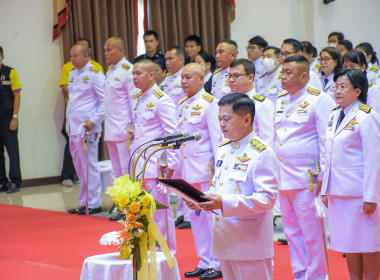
(159, 93)
(258, 97)
(138, 94)
(259, 146)
(365, 108)
(109, 67)
(126, 66)
(282, 93)
(335, 108)
(208, 97)
(93, 69)
(182, 100)
(216, 71)
(313, 91)
(224, 143)
(374, 69)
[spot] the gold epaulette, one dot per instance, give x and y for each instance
(279, 76)
(182, 100)
(109, 67)
(370, 84)
(313, 91)
(365, 108)
(259, 146)
(224, 143)
(159, 93)
(283, 93)
(126, 66)
(335, 108)
(168, 74)
(374, 69)
(138, 94)
(216, 71)
(318, 66)
(258, 97)
(93, 69)
(208, 97)
(263, 75)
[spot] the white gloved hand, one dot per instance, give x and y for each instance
(81, 130)
(110, 238)
(320, 208)
(161, 188)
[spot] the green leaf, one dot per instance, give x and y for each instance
(160, 206)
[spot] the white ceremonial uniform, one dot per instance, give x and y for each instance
(328, 85)
(259, 71)
(267, 85)
(352, 176)
(86, 96)
(372, 74)
(172, 87)
(220, 85)
(246, 176)
(263, 120)
(200, 114)
(315, 67)
(300, 124)
(119, 91)
(373, 97)
(154, 115)
(314, 81)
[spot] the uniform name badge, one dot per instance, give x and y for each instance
(241, 166)
(219, 163)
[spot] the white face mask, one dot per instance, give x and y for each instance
(333, 45)
(268, 64)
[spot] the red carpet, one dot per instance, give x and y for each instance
(39, 244)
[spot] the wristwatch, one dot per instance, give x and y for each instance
(15, 116)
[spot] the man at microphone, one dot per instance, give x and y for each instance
(154, 115)
(198, 112)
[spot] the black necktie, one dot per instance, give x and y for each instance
(340, 119)
(326, 81)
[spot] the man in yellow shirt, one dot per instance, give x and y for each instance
(10, 88)
(68, 169)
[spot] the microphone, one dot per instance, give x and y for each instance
(195, 136)
(172, 136)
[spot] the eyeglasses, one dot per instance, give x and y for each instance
(341, 88)
(285, 54)
(251, 48)
(324, 59)
(236, 76)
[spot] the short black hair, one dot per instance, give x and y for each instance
(276, 50)
(340, 35)
(346, 43)
(307, 47)
(356, 56)
(179, 50)
(229, 41)
(249, 67)
(299, 59)
(194, 38)
(1, 51)
(368, 49)
(151, 32)
(208, 57)
(241, 104)
(83, 39)
(358, 79)
(297, 45)
(258, 40)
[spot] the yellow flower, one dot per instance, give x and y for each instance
(145, 200)
(144, 211)
(134, 208)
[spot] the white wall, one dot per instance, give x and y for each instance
(310, 20)
(26, 37)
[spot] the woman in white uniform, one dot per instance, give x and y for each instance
(330, 62)
(351, 178)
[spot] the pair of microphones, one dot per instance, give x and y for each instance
(179, 137)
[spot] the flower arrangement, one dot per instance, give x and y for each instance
(139, 228)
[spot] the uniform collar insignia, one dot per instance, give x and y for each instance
(244, 158)
(86, 79)
(196, 108)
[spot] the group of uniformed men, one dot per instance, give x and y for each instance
(259, 137)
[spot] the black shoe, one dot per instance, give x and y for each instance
(118, 217)
(91, 211)
(211, 274)
(179, 220)
(195, 273)
(183, 225)
(76, 211)
(4, 187)
(12, 188)
(282, 241)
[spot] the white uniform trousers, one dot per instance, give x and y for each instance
(163, 217)
(238, 270)
(80, 160)
(201, 228)
(304, 234)
(183, 210)
(119, 155)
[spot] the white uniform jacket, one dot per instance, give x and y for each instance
(246, 175)
(199, 114)
(220, 85)
(172, 86)
(86, 96)
(267, 85)
(373, 97)
(329, 86)
(315, 67)
(300, 124)
(154, 115)
(259, 71)
(352, 154)
(119, 91)
(373, 74)
(263, 120)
